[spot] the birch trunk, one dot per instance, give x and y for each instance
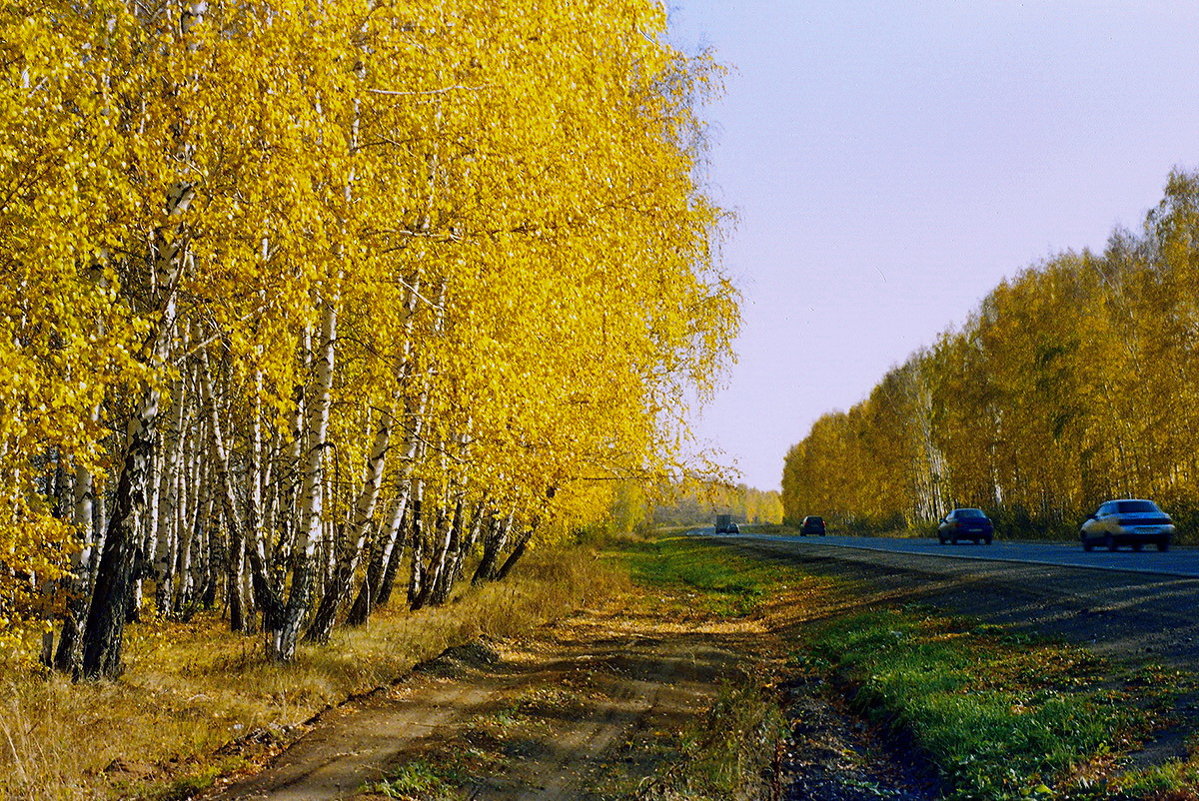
(168, 507)
(381, 555)
(443, 578)
(338, 587)
(104, 632)
(282, 642)
(69, 655)
(493, 546)
(190, 482)
(417, 575)
(522, 544)
(393, 563)
(458, 554)
(231, 508)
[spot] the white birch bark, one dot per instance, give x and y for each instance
(283, 640)
(68, 654)
(338, 588)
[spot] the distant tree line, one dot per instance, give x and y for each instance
(697, 503)
(307, 307)
(1074, 382)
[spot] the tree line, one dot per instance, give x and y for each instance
(309, 306)
(696, 503)
(1072, 383)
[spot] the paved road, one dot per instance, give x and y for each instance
(1124, 605)
(1183, 562)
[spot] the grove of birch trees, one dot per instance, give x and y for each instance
(312, 307)
(1072, 383)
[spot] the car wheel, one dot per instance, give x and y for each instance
(941, 540)
(1163, 545)
(1136, 546)
(1087, 545)
(987, 541)
(1109, 542)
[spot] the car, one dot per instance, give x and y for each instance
(812, 524)
(1127, 521)
(965, 524)
(734, 528)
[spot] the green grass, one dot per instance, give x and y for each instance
(726, 584)
(1001, 718)
(1175, 780)
(998, 714)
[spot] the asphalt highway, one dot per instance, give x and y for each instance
(1181, 562)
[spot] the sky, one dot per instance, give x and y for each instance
(890, 162)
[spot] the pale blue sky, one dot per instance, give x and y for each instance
(890, 162)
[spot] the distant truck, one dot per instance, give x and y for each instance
(725, 524)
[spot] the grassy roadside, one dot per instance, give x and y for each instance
(998, 715)
(197, 701)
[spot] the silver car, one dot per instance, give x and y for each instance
(1129, 521)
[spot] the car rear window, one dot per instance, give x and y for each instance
(970, 513)
(1130, 507)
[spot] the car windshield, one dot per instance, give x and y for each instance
(1131, 507)
(963, 513)
(815, 521)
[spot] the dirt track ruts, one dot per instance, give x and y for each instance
(631, 671)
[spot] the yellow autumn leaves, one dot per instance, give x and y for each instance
(496, 198)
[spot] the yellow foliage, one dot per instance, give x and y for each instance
(497, 199)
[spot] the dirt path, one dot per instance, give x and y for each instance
(590, 708)
(595, 690)
(540, 716)
(360, 740)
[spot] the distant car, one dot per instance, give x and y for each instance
(965, 524)
(812, 524)
(734, 528)
(1128, 521)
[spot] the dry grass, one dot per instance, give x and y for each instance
(191, 688)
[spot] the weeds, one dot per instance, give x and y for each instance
(729, 755)
(418, 781)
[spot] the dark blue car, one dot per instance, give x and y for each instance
(966, 524)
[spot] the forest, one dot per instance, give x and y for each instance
(699, 504)
(312, 307)
(1071, 383)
